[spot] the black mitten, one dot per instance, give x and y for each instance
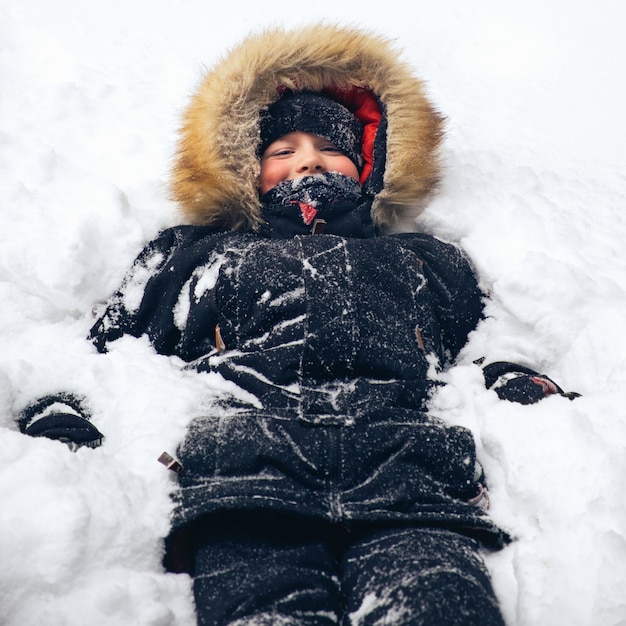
(63, 417)
(517, 383)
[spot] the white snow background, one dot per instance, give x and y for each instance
(90, 100)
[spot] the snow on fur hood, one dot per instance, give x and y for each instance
(215, 175)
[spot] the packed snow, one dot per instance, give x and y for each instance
(535, 191)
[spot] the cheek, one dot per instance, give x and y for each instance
(348, 168)
(272, 173)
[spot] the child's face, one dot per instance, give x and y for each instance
(300, 154)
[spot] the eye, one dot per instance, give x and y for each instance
(331, 148)
(279, 152)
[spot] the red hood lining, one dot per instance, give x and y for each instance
(364, 105)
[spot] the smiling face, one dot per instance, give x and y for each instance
(300, 154)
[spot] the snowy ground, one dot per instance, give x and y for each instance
(535, 191)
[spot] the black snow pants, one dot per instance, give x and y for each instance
(284, 571)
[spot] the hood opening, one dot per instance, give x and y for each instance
(215, 172)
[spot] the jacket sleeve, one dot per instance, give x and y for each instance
(156, 294)
(456, 297)
(153, 300)
(458, 303)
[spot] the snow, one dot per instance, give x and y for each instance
(535, 191)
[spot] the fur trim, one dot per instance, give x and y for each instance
(215, 175)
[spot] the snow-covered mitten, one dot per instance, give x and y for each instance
(63, 417)
(517, 383)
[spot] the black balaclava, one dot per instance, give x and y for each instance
(329, 203)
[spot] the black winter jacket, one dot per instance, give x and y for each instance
(334, 339)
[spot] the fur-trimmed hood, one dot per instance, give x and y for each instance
(215, 175)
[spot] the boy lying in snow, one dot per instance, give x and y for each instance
(333, 496)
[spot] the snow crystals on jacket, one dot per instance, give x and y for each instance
(334, 338)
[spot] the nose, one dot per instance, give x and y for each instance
(311, 161)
